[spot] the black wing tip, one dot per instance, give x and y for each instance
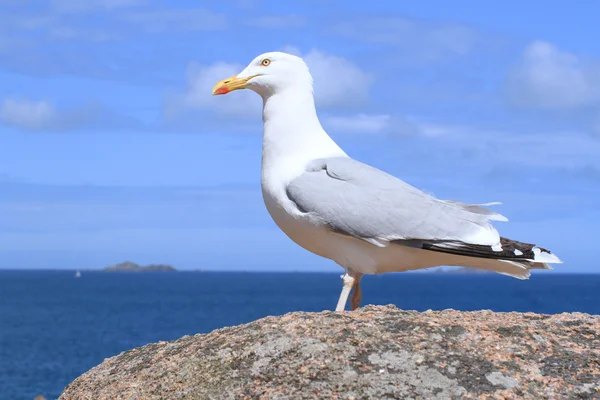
(511, 250)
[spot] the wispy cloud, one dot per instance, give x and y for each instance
(421, 40)
(66, 33)
(375, 124)
(71, 38)
(91, 20)
(596, 126)
(198, 19)
(76, 6)
(277, 21)
(545, 149)
(41, 115)
(89, 207)
(583, 175)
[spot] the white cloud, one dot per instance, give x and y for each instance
(28, 114)
(422, 40)
(198, 93)
(338, 84)
(548, 78)
(371, 124)
(43, 116)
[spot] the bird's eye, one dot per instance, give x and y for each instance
(265, 62)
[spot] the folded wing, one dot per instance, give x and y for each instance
(355, 199)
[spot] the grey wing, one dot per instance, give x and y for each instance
(355, 199)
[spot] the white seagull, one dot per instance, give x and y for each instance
(367, 221)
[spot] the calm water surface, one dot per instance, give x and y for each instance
(54, 327)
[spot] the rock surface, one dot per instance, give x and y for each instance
(376, 352)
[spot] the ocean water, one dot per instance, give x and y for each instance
(54, 327)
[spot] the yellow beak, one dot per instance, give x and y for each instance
(230, 84)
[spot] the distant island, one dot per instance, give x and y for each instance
(129, 266)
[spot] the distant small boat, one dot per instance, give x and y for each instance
(77, 274)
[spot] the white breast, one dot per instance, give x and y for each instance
(289, 219)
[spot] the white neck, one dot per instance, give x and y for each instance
(292, 133)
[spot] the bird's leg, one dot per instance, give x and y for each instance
(356, 293)
(349, 279)
(348, 283)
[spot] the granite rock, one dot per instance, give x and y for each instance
(375, 352)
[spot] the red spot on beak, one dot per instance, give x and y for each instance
(222, 90)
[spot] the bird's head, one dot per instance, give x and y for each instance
(268, 73)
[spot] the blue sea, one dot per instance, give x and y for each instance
(54, 327)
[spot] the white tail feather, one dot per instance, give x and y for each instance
(540, 256)
(515, 269)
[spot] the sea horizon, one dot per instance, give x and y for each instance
(327, 272)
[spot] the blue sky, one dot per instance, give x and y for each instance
(112, 148)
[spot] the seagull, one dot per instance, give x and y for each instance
(364, 219)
